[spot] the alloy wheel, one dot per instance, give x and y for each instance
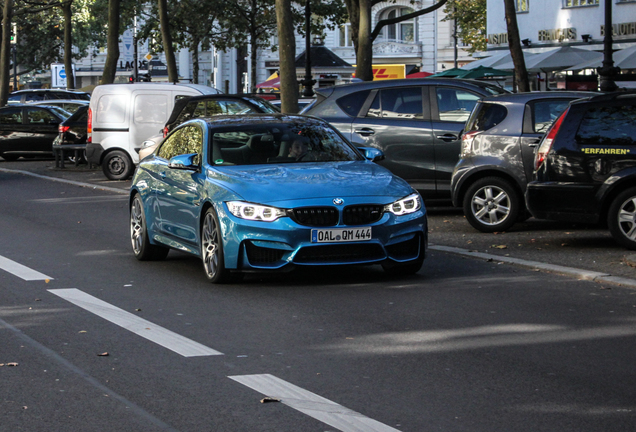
(491, 205)
(136, 227)
(210, 246)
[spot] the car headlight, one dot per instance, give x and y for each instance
(245, 210)
(410, 204)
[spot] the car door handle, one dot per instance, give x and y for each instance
(364, 131)
(533, 143)
(447, 137)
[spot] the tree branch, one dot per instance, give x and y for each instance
(386, 22)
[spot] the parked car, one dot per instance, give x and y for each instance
(415, 122)
(206, 106)
(33, 95)
(497, 155)
(69, 105)
(228, 190)
(302, 103)
(29, 130)
(73, 132)
(586, 166)
(122, 116)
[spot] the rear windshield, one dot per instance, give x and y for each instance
(486, 116)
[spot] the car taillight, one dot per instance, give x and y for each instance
(165, 131)
(546, 144)
(89, 126)
(467, 141)
(62, 129)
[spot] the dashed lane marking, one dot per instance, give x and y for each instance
(23, 272)
(309, 403)
(139, 326)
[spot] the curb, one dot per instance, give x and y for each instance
(551, 268)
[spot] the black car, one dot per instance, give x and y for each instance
(212, 105)
(73, 129)
(27, 96)
(416, 123)
(29, 130)
(497, 155)
(586, 166)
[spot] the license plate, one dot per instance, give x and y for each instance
(340, 235)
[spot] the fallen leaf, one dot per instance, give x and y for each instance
(47, 280)
(138, 310)
(38, 299)
(82, 331)
(104, 354)
(499, 247)
(12, 364)
(269, 399)
(564, 244)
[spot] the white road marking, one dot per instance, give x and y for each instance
(21, 271)
(315, 406)
(144, 328)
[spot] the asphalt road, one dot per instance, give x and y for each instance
(93, 340)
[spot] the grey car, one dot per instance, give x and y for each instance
(416, 123)
(497, 155)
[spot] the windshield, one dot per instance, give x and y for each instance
(61, 112)
(264, 105)
(279, 143)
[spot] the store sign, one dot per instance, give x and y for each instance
(557, 34)
(621, 29)
(498, 38)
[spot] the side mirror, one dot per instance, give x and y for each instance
(185, 162)
(372, 154)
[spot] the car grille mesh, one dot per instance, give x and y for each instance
(260, 255)
(405, 250)
(340, 253)
(362, 214)
(316, 216)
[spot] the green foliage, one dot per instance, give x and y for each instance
(471, 22)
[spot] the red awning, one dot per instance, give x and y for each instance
(419, 75)
(271, 83)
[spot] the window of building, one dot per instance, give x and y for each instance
(345, 39)
(403, 31)
(579, 3)
(522, 5)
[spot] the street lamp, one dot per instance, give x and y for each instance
(308, 82)
(608, 71)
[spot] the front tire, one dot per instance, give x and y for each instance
(491, 204)
(621, 218)
(212, 249)
(143, 250)
(117, 165)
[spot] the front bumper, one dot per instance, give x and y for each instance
(254, 245)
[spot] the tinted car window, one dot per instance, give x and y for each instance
(486, 116)
(398, 103)
(30, 97)
(352, 103)
(265, 106)
(608, 125)
(249, 145)
(15, 98)
(39, 116)
(11, 116)
(545, 112)
(187, 140)
(455, 105)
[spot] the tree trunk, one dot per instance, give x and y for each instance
(364, 54)
(253, 64)
(194, 49)
(68, 45)
(171, 63)
(5, 51)
(112, 43)
(514, 42)
(353, 10)
(287, 47)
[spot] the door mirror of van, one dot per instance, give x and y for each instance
(185, 162)
(372, 154)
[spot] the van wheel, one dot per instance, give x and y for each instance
(117, 165)
(491, 204)
(621, 218)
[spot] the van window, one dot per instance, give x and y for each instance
(111, 109)
(151, 108)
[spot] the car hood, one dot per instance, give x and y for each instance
(268, 184)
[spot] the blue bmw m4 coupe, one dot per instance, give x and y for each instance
(269, 192)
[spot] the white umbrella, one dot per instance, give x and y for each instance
(496, 60)
(624, 59)
(557, 59)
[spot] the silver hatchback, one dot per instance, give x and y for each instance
(497, 155)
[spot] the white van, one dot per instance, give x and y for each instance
(122, 116)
